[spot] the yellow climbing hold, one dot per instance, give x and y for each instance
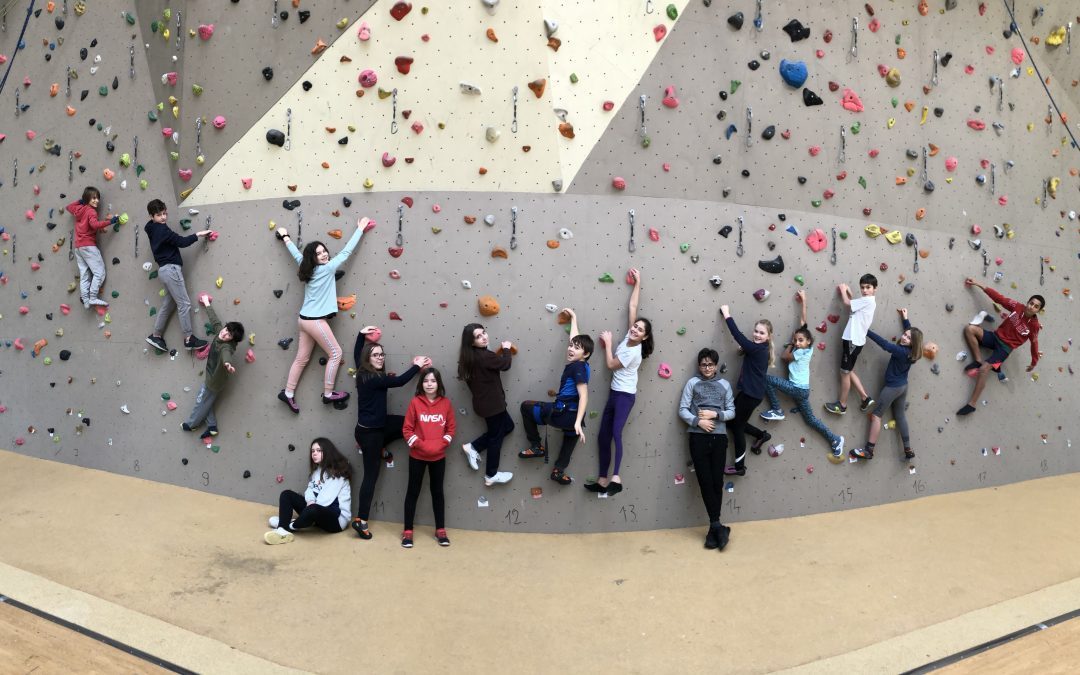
(873, 230)
(1031, 126)
(893, 237)
(218, 282)
(251, 339)
(368, 183)
(1056, 36)
(1052, 186)
(925, 110)
(342, 23)
(891, 122)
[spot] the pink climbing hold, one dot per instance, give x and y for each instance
(250, 356)
(246, 182)
(664, 371)
(659, 32)
(171, 405)
(219, 122)
(999, 261)
(874, 26)
(395, 274)
(19, 346)
(368, 78)
(851, 101)
(821, 346)
(1018, 55)
(630, 277)
(977, 125)
(976, 230)
(416, 127)
(388, 160)
(24, 310)
(26, 81)
(820, 53)
(20, 440)
(654, 234)
(167, 132)
(1003, 200)
(371, 333)
(828, 194)
(608, 106)
(280, 478)
(951, 163)
(29, 214)
(185, 174)
(35, 266)
(364, 34)
(31, 134)
(213, 236)
(969, 69)
(669, 97)
(815, 150)
(618, 183)
(206, 31)
(882, 69)
(435, 208)
(989, 50)
(65, 309)
(816, 240)
(822, 327)
(665, 166)
(171, 78)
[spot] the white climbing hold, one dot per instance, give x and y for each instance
(489, 219)
(565, 233)
(147, 266)
(551, 308)
(467, 88)
(490, 5)
(492, 134)
(124, 409)
(550, 26)
(466, 284)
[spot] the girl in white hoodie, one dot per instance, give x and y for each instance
(325, 504)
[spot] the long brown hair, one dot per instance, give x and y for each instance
(916, 345)
(334, 464)
(365, 370)
(467, 354)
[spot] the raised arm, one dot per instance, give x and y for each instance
(344, 253)
(635, 295)
(845, 294)
(283, 235)
(573, 321)
(801, 295)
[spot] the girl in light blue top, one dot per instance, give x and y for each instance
(317, 270)
(797, 355)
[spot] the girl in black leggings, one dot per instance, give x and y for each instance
(374, 428)
(758, 356)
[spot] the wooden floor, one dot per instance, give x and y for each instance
(31, 644)
(1050, 651)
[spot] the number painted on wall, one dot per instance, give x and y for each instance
(628, 513)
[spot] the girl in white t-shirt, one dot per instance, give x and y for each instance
(624, 363)
(325, 504)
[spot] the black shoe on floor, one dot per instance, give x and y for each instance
(712, 537)
(595, 487)
(613, 489)
(725, 535)
(361, 530)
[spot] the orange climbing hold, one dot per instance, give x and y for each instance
(900, 180)
(499, 252)
(920, 213)
(54, 89)
(924, 8)
(538, 86)
(346, 303)
(934, 150)
(488, 305)
(483, 171)
(553, 243)
(326, 165)
(566, 129)
(336, 234)
(554, 43)
(319, 47)
(491, 35)
(469, 220)
(330, 130)
(901, 53)
(909, 105)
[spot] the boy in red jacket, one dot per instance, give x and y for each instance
(428, 430)
(87, 254)
(1020, 326)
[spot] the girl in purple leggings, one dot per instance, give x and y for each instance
(624, 363)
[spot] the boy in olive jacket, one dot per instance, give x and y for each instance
(219, 355)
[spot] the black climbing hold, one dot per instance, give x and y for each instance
(912, 154)
(304, 15)
(928, 186)
(275, 137)
(765, 55)
(86, 421)
(909, 287)
(708, 3)
(774, 266)
(292, 448)
(978, 108)
(278, 292)
(948, 307)
(768, 132)
(722, 115)
(717, 159)
(53, 385)
(93, 43)
(247, 474)
(339, 275)
(173, 352)
(753, 65)
(725, 231)
(48, 316)
(771, 245)
(268, 73)
(344, 140)
(108, 146)
(910, 239)
(83, 94)
(782, 217)
(746, 173)
(287, 205)
(810, 98)
(736, 20)
(93, 121)
(945, 59)
(115, 83)
(64, 355)
(284, 342)
(82, 168)
(51, 226)
(55, 150)
(1006, 33)
(346, 201)
(723, 95)
(322, 361)
(725, 192)
(802, 180)
(184, 461)
(48, 57)
(306, 84)
(59, 23)
(83, 54)
(37, 15)
(116, 261)
(284, 16)
(938, 112)
(796, 31)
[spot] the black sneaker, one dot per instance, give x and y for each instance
(361, 530)
(712, 537)
(867, 403)
(185, 426)
(289, 401)
(157, 342)
(561, 478)
(193, 342)
(212, 431)
(206, 436)
(595, 487)
(335, 397)
(861, 453)
(756, 447)
(725, 535)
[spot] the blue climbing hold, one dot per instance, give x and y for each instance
(793, 72)
(792, 230)
(730, 130)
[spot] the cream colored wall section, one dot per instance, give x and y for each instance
(607, 53)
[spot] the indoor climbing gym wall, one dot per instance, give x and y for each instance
(735, 152)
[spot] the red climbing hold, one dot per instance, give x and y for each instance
(400, 9)
(403, 63)
(394, 316)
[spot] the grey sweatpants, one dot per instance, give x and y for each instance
(204, 408)
(172, 277)
(897, 398)
(91, 271)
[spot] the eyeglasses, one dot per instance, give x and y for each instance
(378, 356)
(706, 365)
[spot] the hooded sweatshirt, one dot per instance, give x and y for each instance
(324, 490)
(1016, 328)
(87, 224)
(429, 427)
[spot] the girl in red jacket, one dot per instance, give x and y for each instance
(87, 254)
(428, 429)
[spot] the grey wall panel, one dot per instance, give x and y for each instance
(257, 430)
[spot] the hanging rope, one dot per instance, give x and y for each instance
(22, 33)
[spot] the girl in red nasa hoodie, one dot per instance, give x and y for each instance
(428, 430)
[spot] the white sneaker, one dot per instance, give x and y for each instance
(978, 318)
(273, 522)
(85, 303)
(472, 455)
(838, 447)
(278, 536)
(98, 302)
(499, 477)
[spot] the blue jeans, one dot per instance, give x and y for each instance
(802, 400)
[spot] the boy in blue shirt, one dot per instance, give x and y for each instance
(797, 355)
(567, 411)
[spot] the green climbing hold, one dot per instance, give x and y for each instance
(174, 156)
(895, 101)
(215, 449)
(153, 310)
(681, 331)
(154, 26)
(646, 141)
(799, 279)
(566, 327)
(185, 223)
(125, 160)
(672, 12)
(130, 18)
(152, 115)
(573, 78)
(167, 14)
(143, 184)
(116, 294)
(209, 328)
(816, 203)
(843, 235)
(103, 90)
(593, 414)
(684, 247)
(99, 127)
(197, 89)
(165, 396)
(898, 38)
(123, 218)
(606, 278)
(139, 170)
(856, 128)
(735, 85)
(862, 182)
(48, 361)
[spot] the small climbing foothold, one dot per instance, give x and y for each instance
(606, 278)
(760, 294)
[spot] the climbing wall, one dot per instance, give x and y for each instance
(658, 185)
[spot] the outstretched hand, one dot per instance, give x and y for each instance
(903, 312)
(605, 337)
(725, 311)
(366, 224)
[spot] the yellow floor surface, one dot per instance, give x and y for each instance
(185, 576)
